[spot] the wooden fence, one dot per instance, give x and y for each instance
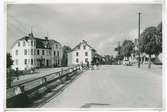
(22, 94)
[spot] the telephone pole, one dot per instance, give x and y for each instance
(139, 59)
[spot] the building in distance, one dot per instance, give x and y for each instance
(82, 53)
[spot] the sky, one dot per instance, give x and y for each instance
(103, 26)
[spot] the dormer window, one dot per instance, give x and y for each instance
(46, 44)
(84, 47)
(56, 46)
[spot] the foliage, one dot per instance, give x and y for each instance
(119, 54)
(66, 50)
(159, 39)
(127, 48)
(9, 60)
(108, 59)
(150, 42)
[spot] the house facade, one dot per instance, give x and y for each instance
(32, 52)
(81, 54)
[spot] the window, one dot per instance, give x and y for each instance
(24, 44)
(34, 43)
(28, 51)
(78, 47)
(18, 44)
(77, 60)
(25, 51)
(16, 52)
(57, 53)
(31, 51)
(31, 61)
(34, 61)
(54, 53)
(34, 51)
(25, 61)
(28, 61)
(17, 62)
(43, 52)
(86, 53)
(31, 43)
(38, 52)
(84, 47)
(86, 59)
(49, 52)
(56, 46)
(58, 62)
(77, 53)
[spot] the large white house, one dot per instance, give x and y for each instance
(32, 52)
(81, 54)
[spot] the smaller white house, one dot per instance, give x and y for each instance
(81, 54)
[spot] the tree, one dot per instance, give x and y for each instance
(150, 42)
(8, 65)
(159, 39)
(119, 56)
(127, 48)
(9, 60)
(66, 50)
(108, 59)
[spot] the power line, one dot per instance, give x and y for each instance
(21, 24)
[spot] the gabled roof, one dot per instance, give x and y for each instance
(53, 41)
(40, 43)
(83, 42)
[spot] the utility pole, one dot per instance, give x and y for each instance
(119, 53)
(139, 59)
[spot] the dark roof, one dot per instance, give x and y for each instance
(40, 43)
(83, 42)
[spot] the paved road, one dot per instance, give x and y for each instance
(113, 86)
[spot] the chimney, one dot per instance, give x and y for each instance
(46, 38)
(31, 34)
(84, 41)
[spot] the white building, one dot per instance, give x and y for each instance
(31, 52)
(81, 54)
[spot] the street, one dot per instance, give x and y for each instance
(113, 86)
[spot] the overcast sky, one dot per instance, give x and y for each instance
(102, 25)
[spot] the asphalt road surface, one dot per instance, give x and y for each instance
(113, 86)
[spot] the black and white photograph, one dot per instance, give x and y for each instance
(84, 56)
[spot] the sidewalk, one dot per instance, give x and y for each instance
(40, 72)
